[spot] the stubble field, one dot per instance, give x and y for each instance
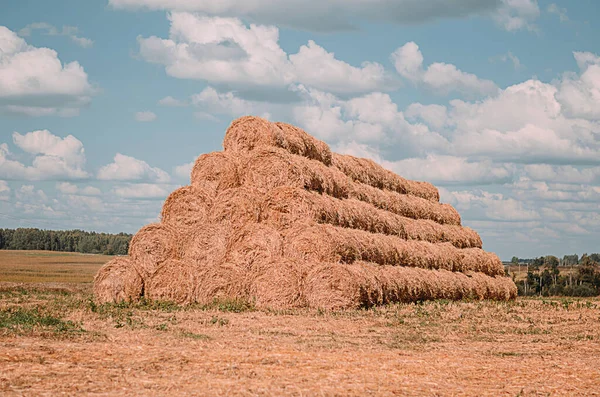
(55, 340)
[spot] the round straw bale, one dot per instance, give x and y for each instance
(270, 168)
(236, 207)
(249, 133)
(152, 245)
(280, 285)
(284, 207)
(326, 243)
(253, 247)
(186, 208)
(118, 281)
(222, 282)
(368, 172)
(406, 205)
(333, 286)
(301, 143)
(207, 246)
(216, 171)
(174, 281)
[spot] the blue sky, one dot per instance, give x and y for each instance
(104, 104)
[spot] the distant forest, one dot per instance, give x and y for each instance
(550, 276)
(66, 241)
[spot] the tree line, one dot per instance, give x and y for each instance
(65, 240)
(550, 276)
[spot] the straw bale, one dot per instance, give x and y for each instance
(248, 254)
(152, 245)
(118, 281)
(334, 286)
(216, 171)
(174, 281)
(253, 247)
(306, 145)
(187, 208)
(286, 206)
(363, 284)
(221, 281)
(326, 243)
(250, 133)
(207, 246)
(236, 207)
(370, 173)
(269, 168)
(404, 204)
(280, 285)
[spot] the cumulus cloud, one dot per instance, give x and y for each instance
(485, 205)
(559, 11)
(335, 15)
(70, 188)
(145, 116)
(172, 102)
(50, 30)
(34, 82)
(142, 191)
(126, 168)
(448, 170)
(580, 94)
(53, 157)
(224, 51)
(4, 191)
(184, 171)
(440, 77)
(515, 15)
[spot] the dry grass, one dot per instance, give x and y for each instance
(48, 266)
(527, 347)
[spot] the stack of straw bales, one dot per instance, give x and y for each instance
(280, 220)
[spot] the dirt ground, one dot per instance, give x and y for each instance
(54, 340)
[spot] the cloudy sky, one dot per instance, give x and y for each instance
(104, 104)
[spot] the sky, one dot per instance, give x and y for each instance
(105, 104)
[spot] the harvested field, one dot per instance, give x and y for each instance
(48, 266)
(56, 342)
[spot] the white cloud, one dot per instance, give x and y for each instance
(561, 12)
(172, 102)
(126, 168)
(494, 206)
(54, 157)
(184, 171)
(210, 102)
(372, 118)
(141, 191)
(50, 30)
(4, 191)
(34, 82)
(436, 116)
(580, 95)
(224, 51)
(69, 188)
(509, 57)
(446, 170)
(440, 77)
(335, 15)
(315, 67)
(518, 14)
(145, 116)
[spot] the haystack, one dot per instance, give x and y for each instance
(279, 220)
(118, 281)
